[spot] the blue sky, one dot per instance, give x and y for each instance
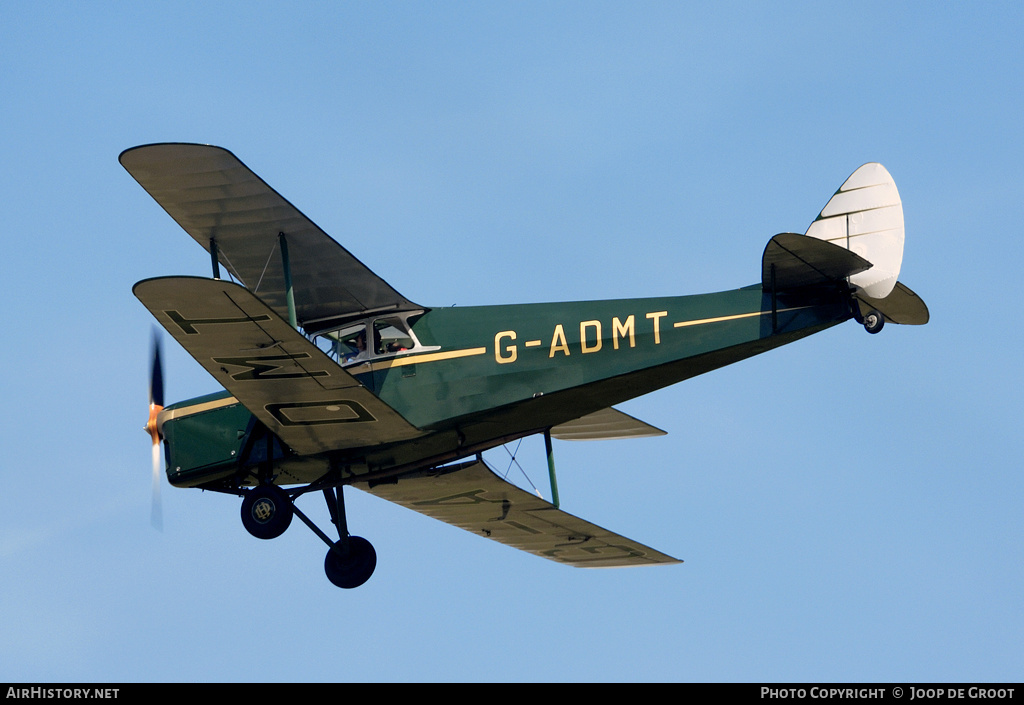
(848, 507)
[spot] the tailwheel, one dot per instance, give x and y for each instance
(873, 321)
(350, 562)
(266, 511)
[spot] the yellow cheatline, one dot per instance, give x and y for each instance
(167, 415)
(719, 319)
(684, 324)
(426, 357)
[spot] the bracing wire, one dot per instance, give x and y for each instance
(513, 461)
(269, 256)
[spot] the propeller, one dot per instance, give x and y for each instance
(156, 405)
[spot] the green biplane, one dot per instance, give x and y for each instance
(331, 377)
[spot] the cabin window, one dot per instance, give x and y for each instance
(345, 345)
(391, 336)
(388, 336)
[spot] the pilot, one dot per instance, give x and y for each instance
(359, 352)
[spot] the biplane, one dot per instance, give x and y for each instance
(331, 378)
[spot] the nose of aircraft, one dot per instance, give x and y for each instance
(156, 405)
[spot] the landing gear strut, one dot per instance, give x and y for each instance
(351, 560)
(267, 512)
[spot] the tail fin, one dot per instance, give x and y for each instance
(865, 216)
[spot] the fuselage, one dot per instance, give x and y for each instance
(480, 376)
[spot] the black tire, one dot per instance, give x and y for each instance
(873, 321)
(266, 511)
(351, 567)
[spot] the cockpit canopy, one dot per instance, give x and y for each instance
(370, 339)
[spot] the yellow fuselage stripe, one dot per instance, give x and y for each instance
(718, 319)
(177, 413)
(413, 359)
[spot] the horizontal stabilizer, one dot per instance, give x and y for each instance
(607, 424)
(901, 306)
(791, 261)
(469, 495)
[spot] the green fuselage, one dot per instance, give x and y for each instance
(485, 375)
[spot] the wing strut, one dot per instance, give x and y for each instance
(213, 259)
(289, 292)
(551, 467)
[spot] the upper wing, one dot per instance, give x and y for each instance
(216, 198)
(470, 496)
(283, 379)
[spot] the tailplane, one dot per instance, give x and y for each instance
(901, 306)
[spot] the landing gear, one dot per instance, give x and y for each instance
(873, 321)
(266, 511)
(350, 562)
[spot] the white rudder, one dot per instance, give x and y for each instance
(865, 216)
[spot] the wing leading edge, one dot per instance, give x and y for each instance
(218, 199)
(471, 496)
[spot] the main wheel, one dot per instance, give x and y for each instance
(266, 511)
(873, 321)
(352, 565)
